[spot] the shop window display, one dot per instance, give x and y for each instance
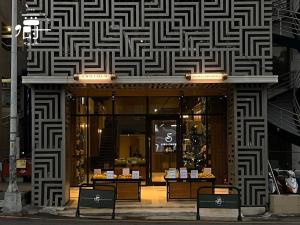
(195, 149)
(156, 134)
(80, 151)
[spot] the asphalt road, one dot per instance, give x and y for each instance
(68, 221)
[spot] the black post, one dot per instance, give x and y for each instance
(198, 214)
(77, 210)
(240, 213)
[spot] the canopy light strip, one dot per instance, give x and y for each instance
(206, 76)
(94, 78)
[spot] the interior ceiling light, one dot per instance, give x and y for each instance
(206, 76)
(95, 78)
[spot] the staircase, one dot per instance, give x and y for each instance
(286, 23)
(283, 105)
(106, 156)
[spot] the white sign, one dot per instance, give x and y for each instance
(125, 171)
(97, 171)
(207, 170)
(30, 29)
(171, 173)
(135, 174)
(94, 78)
(194, 174)
(183, 173)
(110, 175)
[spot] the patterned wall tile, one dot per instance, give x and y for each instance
(251, 145)
(48, 148)
(152, 37)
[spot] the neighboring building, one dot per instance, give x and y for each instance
(284, 97)
(5, 56)
(5, 28)
(151, 117)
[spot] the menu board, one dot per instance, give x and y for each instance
(194, 174)
(110, 175)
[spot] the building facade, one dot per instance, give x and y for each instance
(151, 47)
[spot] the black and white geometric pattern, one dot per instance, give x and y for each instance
(251, 145)
(48, 148)
(231, 157)
(152, 37)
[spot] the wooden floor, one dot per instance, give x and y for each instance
(158, 177)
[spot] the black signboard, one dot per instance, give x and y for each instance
(219, 201)
(228, 201)
(101, 199)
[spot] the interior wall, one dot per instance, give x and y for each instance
(219, 159)
(135, 142)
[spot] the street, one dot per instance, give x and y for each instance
(66, 221)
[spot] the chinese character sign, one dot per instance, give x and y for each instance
(30, 30)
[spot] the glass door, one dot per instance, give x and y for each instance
(163, 148)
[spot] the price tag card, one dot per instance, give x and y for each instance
(135, 174)
(194, 174)
(97, 171)
(110, 175)
(171, 173)
(125, 171)
(207, 170)
(183, 173)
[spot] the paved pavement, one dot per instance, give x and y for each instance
(49, 220)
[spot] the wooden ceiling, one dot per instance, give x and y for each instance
(148, 89)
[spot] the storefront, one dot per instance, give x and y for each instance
(152, 116)
(148, 133)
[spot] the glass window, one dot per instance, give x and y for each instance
(101, 143)
(195, 152)
(165, 135)
(81, 105)
(194, 105)
(131, 144)
(164, 105)
(79, 155)
(100, 105)
(130, 105)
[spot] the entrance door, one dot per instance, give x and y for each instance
(163, 147)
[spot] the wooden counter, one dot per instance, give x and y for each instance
(127, 189)
(178, 188)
